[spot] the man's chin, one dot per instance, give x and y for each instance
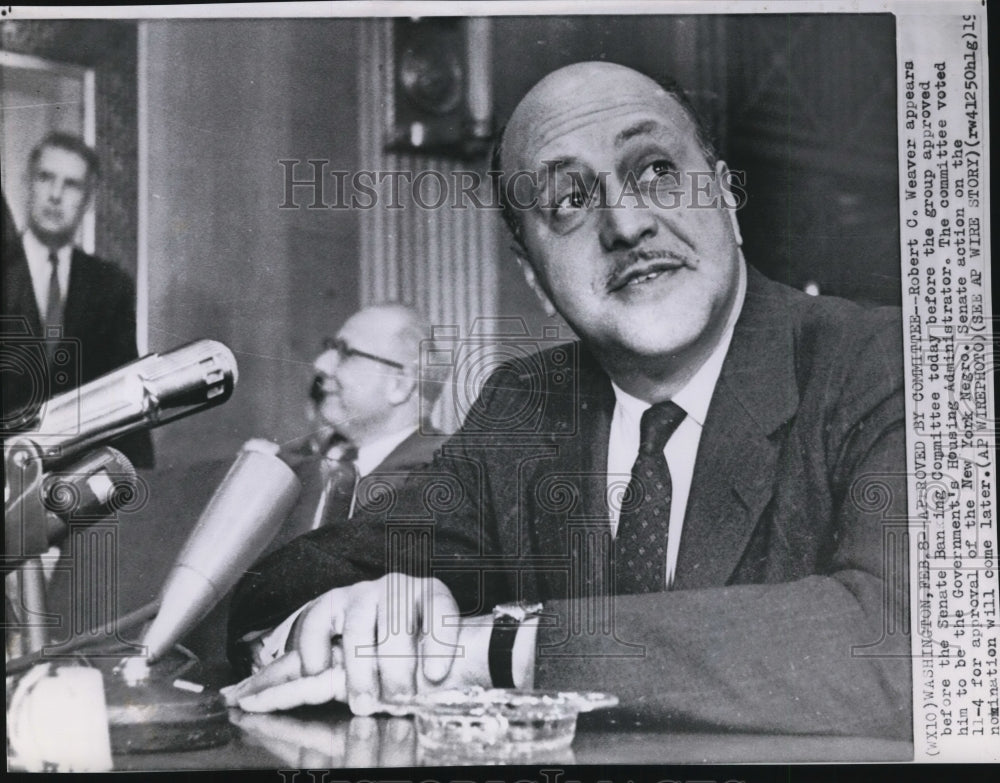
(53, 237)
(654, 340)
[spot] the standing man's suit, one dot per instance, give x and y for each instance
(98, 326)
(784, 615)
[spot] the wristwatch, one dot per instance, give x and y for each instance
(507, 618)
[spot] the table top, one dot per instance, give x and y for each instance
(329, 737)
(200, 734)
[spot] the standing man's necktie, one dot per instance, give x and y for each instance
(340, 484)
(641, 542)
(53, 308)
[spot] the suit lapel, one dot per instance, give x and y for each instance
(19, 295)
(566, 487)
(737, 458)
(310, 474)
(307, 462)
(303, 455)
(78, 295)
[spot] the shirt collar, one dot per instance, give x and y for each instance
(371, 455)
(696, 395)
(37, 251)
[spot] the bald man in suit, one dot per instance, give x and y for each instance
(743, 581)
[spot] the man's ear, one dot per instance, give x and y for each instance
(402, 388)
(730, 196)
(88, 200)
(532, 280)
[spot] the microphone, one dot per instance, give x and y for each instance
(91, 489)
(143, 394)
(241, 518)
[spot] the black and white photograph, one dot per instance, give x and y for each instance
(406, 386)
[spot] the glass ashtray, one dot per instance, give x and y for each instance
(499, 722)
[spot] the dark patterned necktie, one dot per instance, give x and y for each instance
(641, 541)
(340, 483)
(53, 308)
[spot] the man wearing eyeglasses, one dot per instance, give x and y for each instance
(367, 396)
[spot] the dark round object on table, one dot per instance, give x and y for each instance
(154, 715)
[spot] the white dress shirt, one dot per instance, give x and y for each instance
(40, 269)
(370, 456)
(682, 448)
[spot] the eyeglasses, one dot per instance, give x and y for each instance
(344, 352)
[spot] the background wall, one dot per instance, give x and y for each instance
(110, 49)
(227, 101)
(819, 153)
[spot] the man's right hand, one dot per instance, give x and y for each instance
(370, 644)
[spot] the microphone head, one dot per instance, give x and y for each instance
(40, 506)
(241, 518)
(143, 394)
(202, 373)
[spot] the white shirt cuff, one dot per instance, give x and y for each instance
(267, 646)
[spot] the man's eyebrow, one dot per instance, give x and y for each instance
(547, 168)
(555, 164)
(646, 126)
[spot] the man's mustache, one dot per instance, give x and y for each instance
(628, 263)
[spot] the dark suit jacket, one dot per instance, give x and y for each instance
(784, 615)
(294, 571)
(98, 328)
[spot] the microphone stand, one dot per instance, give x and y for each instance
(40, 510)
(160, 712)
(25, 533)
(156, 713)
(153, 714)
(149, 707)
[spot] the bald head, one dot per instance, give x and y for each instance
(371, 382)
(581, 92)
(623, 221)
(555, 104)
(394, 330)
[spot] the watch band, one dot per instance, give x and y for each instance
(507, 619)
(502, 650)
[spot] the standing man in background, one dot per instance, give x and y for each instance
(63, 296)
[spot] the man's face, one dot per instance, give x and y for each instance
(58, 194)
(357, 389)
(638, 270)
